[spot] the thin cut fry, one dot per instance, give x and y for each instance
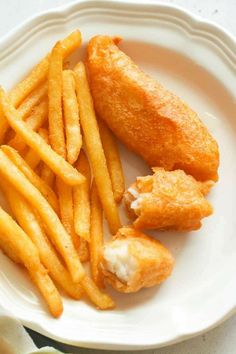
(34, 98)
(43, 188)
(94, 148)
(65, 197)
(30, 223)
(28, 253)
(36, 77)
(81, 196)
(83, 250)
(60, 167)
(34, 121)
(101, 300)
(31, 157)
(48, 291)
(46, 173)
(55, 119)
(9, 251)
(113, 161)
(96, 237)
(54, 228)
(71, 117)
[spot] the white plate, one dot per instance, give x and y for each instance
(196, 60)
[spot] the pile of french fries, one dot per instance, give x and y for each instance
(57, 200)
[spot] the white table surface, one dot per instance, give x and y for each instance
(221, 340)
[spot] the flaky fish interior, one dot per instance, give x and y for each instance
(133, 260)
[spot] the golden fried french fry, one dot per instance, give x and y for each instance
(9, 251)
(30, 223)
(43, 188)
(54, 228)
(71, 117)
(101, 300)
(36, 77)
(34, 98)
(60, 167)
(113, 161)
(65, 197)
(48, 290)
(83, 250)
(28, 253)
(43, 132)
(31, 157)
(55, 119)
(47, 175)
(81, 197)
(96, 237)
(34, 121)
(95, 149)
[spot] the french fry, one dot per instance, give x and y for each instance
(95, 149)
(36, 77)
(55, 119)
(81, 197)
(28, 253)
(54, 228)
(65, 197)
(83, 250)
(30, 223)
(96, 237)
(34, 121)
(47, 175)
(9, 251)
(101, 300)
(113, 161)
(34, 98)
(48, 291)
(31, 157)
(43, 188)
(59, 166)
(71, 117)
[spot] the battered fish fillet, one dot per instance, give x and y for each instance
(146, 117)
(168, 201)
(132, 261)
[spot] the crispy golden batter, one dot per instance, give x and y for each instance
(168, 201)
(139, 261)
(150, 120)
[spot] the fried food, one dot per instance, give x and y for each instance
(31, 224)
(34, 140)
(146, 117)
(52, 223)
(96, 237)
(71, 117)
(168, 200)
(12, 234)
(55, 118)
(36, 77)
(113, 161)
(132, 261)
(94, 148)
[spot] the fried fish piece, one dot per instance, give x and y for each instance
(168, 200)
(146, 117)
(132, 261)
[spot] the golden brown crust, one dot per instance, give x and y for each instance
(155, 262)
(150, 120)
(169, 200)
